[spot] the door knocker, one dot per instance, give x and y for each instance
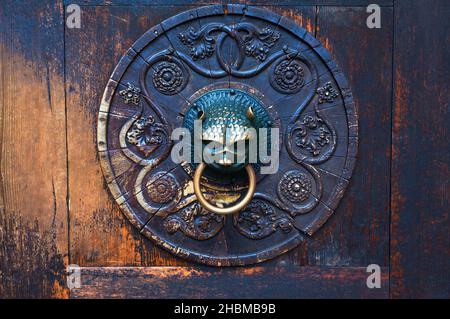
(245, 74)
(228, 117)
(224, 210)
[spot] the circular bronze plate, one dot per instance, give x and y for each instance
(236, 47)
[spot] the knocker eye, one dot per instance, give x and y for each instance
(250, 114)
(201, 115)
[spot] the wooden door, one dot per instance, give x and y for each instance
(57, 208)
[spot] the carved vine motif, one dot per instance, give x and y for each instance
(146, 135)
(327, 93)
(260, 219)
(256, 42)
(312, 134)
(168, 78)
(200, 43)
(208, 41)
(295, 186)
(311, 139)
(170, 74)
(194, 222)
(130, 94)
(287, 76)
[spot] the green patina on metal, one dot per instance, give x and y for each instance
(227, 118)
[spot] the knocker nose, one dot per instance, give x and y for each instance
(224, 210)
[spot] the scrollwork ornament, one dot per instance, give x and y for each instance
(195, 222)
(200, 43)
(311, 139)
(312, 135)
(142, 135)
(146, 135)
(257, 43)
(260, 219)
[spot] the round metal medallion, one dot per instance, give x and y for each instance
(295, 86)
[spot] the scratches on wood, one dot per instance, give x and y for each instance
(33, 212)
(420, 172)
(365, 56)
(30, 264)
(204, 282)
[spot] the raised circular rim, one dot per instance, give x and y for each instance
(288, 25)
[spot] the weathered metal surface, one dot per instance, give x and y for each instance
(291, 76)
(228, 116)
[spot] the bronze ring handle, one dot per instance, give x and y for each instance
(224, 210)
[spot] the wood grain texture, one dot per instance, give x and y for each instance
(204, 282)
(420, 238)
(33, 210)
(358, 233)
(348, 3)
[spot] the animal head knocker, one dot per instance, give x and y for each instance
(231, 120)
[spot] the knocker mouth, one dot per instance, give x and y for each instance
(224, 210)
(225, 158)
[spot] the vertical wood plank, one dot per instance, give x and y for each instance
(420, 260)
(100, 233)
(33, 210)
(358, 233)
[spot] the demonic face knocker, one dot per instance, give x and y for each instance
(231, 121)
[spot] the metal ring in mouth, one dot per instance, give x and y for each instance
(224, 210)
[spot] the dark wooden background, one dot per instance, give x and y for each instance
(55, 209)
